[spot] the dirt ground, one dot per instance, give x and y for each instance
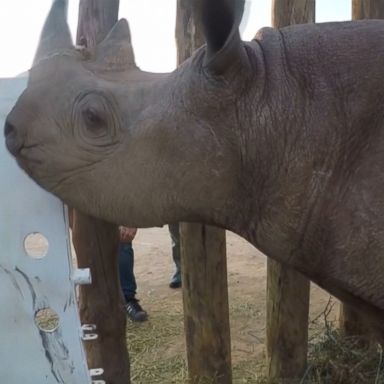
(247, 294)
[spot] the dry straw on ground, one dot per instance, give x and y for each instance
(333, 359)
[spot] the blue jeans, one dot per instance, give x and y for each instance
(175, 237)
(174, 231)
(127, 278)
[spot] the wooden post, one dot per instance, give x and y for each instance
(287, 322)
(351, 323)
(287, 290)
(367, 9)
(96, 19)
(205, 298)
(290, 12)
(350, 320)
(96, 242)
(204, 265)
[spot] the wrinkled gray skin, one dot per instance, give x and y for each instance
(280, 140)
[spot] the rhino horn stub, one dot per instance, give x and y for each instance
(55, 35)
(115, 52)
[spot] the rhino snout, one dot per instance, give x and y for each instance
(13, 138)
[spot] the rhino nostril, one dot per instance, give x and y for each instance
(13, 140)
(9, 128)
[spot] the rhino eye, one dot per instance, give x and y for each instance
(93, 120)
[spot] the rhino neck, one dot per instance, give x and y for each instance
(293, 157)
(285, 165)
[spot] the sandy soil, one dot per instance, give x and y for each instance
(247, 288)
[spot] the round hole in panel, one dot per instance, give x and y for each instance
(36, 245)
(47, 320)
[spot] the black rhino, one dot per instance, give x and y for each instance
(280, 140)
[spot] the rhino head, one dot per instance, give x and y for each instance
(126, 145)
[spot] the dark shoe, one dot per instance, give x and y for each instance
(134, 310)
(176, 279)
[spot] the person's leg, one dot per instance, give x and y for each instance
(127, 278)
(128, 282)
(175, 237)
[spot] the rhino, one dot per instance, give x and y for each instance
(279, 139)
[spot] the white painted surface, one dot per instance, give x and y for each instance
(27, 354)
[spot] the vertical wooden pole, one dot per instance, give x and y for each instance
(96, 242)
(287, 322)
(349, 319)
(96, 19)
(367, 9)
(205, 298)
(204, 265)
(290, 12)
(287, 290)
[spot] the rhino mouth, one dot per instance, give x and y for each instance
(26, 157)
(23, 162)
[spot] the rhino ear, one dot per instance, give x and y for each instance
(220, 20)
(55, 35)
(115, 52)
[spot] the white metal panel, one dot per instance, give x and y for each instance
(27, 354)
